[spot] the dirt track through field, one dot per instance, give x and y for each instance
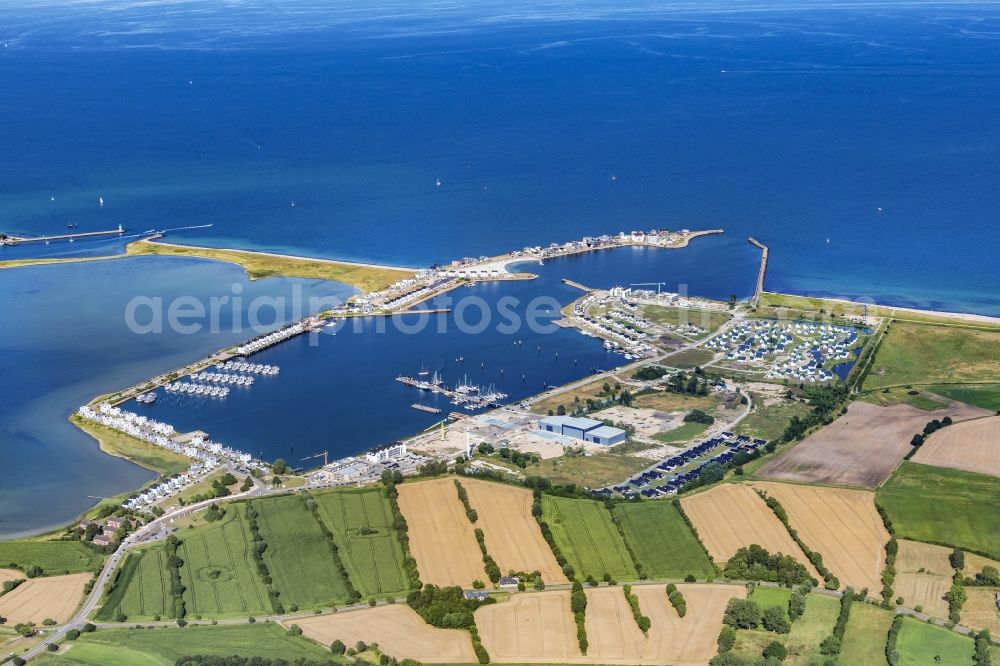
(731, 516)
(973, 446)
(842, 525)
(397, 629)
(513, 537)
(861, 448)
(37, 599)
(441, 537)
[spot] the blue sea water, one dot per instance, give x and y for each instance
(792, 122)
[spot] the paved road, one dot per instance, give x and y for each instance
(152, 531)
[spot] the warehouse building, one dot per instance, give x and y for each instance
(589, 430)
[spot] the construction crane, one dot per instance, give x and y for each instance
(440, 423)
(321, 453)
(658, 285)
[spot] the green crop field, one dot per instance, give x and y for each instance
(986, 396)
(867, 632)
(163, 647)
(298, 554)
(662, 542)
(373, 560)
(922, 644)
(807, 632)
(903, 396)
(219, 574)
(946, 506)
(143, 588)
(925, 354)
(54, 557)
(587, 538)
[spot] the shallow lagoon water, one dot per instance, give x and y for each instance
(65, 341)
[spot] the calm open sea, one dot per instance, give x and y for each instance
(792, 122)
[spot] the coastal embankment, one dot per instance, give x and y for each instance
(365, 277)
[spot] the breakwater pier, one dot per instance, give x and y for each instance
(20, 240)
(761, 273)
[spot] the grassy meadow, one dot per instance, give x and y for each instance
(662, 542)
(866, 634)
(681, 433)
(926, 354)
(260, 265)
(770, 422)
(54, 557)
(922, 644)
(164, 646)
(361, 522)
(946, 506)
(587, 538)
(986, 396)
(710, 320)
(802, 642)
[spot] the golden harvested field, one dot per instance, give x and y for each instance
(980, 609)
(974, 563)
(842, 525)
(397, 629)
(925, 588)
(10, 574)
(441, 536)
(732, 516)
(513, 538)
(37, 599)
(530, 628)
(973, 446)
(861, 448)
(615, 639)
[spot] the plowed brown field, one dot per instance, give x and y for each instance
(731, 516)
(842, 525)
(973, 446)
(513, 538)
(37, 599)
(441, 537)
(397, 629)
(861, 448)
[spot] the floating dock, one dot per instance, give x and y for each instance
(426, 408)
(18, 240)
